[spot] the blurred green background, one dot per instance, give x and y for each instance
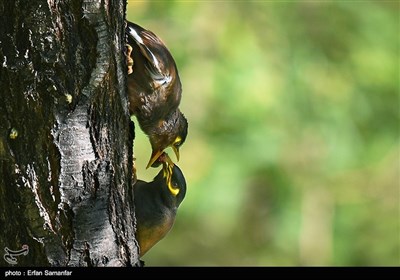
(292, 156)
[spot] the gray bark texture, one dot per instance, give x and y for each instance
(66, 158)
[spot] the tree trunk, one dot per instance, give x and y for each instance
(66, 159)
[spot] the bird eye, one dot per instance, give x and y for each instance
(178, 141)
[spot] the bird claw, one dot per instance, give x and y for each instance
(129, 60)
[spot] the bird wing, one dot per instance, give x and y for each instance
(145, 39)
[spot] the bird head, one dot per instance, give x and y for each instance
(174, 178)
(170, 132)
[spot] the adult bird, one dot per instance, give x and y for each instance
(155, 91)
(157, 202)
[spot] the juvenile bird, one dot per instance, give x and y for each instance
(157, 202)
(154, 91)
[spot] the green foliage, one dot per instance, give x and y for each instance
(292, 156)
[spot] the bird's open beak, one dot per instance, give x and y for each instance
(154, 156)
(168, 166)
(176, 151)
(168, 160)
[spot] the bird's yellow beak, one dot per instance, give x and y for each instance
(176, 151)
(168, 166)
(154, 156)
(168, 161)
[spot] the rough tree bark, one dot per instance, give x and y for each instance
(66, 162)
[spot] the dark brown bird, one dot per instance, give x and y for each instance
(155, 91)
(157, 202)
